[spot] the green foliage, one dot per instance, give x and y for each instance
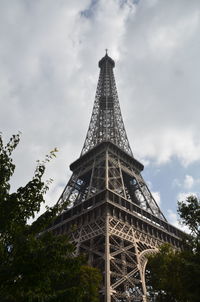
(37, 268)
(189, 212)
(165, 268)
(175, 275)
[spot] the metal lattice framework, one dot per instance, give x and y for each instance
(112, 216)
(110, 169)
(106, 122)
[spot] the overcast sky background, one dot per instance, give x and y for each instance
(49, 53)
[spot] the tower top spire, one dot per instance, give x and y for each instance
(106, 122)
(106, 59)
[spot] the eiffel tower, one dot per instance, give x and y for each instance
(112, 216)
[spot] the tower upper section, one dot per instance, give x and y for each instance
(106, 123)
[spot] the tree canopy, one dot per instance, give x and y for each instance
(174, 276)
(37, 268)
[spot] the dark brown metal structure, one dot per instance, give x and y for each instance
(117, 221)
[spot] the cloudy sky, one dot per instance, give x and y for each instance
(49, 53)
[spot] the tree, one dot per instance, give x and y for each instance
(189, 212)
(174, 276)
(36, 265)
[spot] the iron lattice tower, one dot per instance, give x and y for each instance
(117, 221)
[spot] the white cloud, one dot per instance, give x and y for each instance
(174, 220)
(176, 182)
(163, 144)
(160, 86)
(155, 194)
(188, 182)
(157, 198)
(167, 38)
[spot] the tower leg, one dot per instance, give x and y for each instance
(107, 262)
